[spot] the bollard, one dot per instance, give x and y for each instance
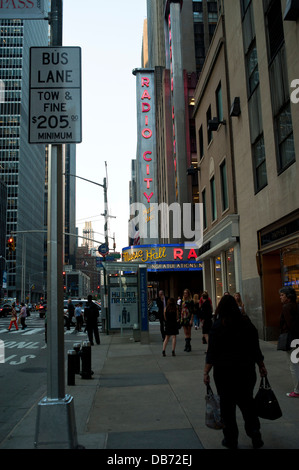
(71, 357)
(86, 372)
(77, 347)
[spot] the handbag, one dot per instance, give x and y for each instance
(284, 342)
(266, 403)
(213, 415)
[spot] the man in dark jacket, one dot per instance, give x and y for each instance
(91, 314)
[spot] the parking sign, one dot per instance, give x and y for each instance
(55, 95)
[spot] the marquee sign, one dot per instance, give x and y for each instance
(172, 257)
(22, 9)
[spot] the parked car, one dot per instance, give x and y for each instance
(153, 311)
(6, 308)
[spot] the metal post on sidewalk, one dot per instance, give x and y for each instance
(55, 425)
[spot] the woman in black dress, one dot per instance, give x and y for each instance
(171, 324)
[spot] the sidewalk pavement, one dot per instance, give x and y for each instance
(138, 399)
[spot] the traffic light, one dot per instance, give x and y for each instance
(11, 244)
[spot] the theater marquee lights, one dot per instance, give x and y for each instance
(173, 257)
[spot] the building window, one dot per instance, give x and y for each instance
(259, 163)
(275, 28)
(204, 214)
(213, 199)
(244, 6)
(285, 139)
(252, 69)
(224, 192)
(219, 103)
(209, 117)
(200, 138)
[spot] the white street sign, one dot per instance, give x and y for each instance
(55, 95)
(22, 9)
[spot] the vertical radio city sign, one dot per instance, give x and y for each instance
(146, 143)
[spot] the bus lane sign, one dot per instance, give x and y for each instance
(55, 95)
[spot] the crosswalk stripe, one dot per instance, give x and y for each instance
(33, 331)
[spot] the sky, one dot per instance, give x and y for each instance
(110, 36)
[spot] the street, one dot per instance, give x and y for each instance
(23, 375)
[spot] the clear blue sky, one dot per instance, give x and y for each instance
(110, 36)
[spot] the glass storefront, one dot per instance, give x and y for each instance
(218, 279)
(290, 266)
(230, 271)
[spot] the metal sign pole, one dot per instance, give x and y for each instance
(56, 379)
(56, 427)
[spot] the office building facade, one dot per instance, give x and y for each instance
(251, 65)
(22, 165)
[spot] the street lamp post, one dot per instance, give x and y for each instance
(106, 215)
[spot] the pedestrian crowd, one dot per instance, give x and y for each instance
(15, 320)
(90, 315)
(233, 351)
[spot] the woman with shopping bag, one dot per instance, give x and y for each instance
(233, 352)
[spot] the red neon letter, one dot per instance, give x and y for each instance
(145, 158)
(148, 197)
(178, 253)
(148, 181)
(145, 81)
(145, 95)
(147, 170)
(146, 136)
(192, 254)
(146, 107)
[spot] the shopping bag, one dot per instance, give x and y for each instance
(266, 402)
(213, 415)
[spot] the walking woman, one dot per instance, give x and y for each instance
(23, 315)
(187, 311)
(233, 353)
(237, 297)
(171, 325)
(14, 318)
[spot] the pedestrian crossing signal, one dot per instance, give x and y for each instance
(11, 244)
